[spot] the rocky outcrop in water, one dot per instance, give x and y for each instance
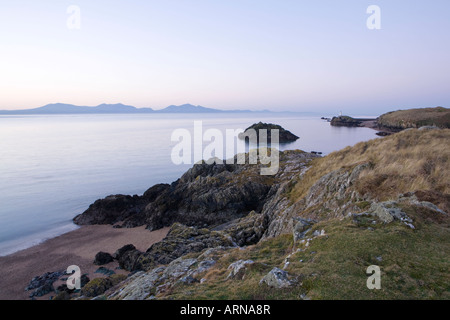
(345, 121)
(207, 195)
(284, 136)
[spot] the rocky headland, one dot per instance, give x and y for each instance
(308, 232)
(397, 121)
(313, 228)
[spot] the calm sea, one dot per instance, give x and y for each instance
(53, 167)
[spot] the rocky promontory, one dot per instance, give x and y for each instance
(308, 232)
(205, 196)
(415, 118)
(397, 121)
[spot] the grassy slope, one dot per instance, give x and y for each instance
(405, 162)
(414, 118)
(414, 263)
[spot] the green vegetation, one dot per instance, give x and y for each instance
(414, 264)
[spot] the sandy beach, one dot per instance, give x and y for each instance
(77, 247)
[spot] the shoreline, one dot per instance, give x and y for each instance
(77, 247)
(372, 124)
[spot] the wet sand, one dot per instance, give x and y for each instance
(77, 247)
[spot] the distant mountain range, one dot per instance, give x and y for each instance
(61, 108)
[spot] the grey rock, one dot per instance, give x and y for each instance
(277, 278)
(238, 269)
(188, 280)
(428, 128)
(105, 271)
(139, 286)
(388, 212)
(301, 227)
(42, 285)
(178, 267)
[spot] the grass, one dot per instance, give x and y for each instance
(415, 118)
(414, 264)
(404, 162)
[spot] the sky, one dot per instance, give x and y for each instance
(282, 55)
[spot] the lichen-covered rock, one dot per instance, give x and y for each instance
(178, 268)
(331, 196)
(135, 260)
(277, 278)
(139, 286)
(96, 287)
(301, 228)
(181, 240)
(238, 269)
(248, 230)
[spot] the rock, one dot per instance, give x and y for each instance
(285, 136)
(248, 230)
(96, 287)
(154, 192)
(441, 200)
(383, 133)
(301, 227)
(178, 267)
(43, 285)
(388, 212)
(188, 280)
(429, 128)
(238, 269)
(111, 210)
(181, 240)
(345, 121)
(62, 295)
(119, 253)
(277, 278)
(140, 285)
(207, 195)
(105, 271)
(102, 258)
(83, 281)
(134, 260)
(202, 267)
(117, 278)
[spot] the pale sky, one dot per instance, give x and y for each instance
(298, 55)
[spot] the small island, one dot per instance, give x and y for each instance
(285, 136)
